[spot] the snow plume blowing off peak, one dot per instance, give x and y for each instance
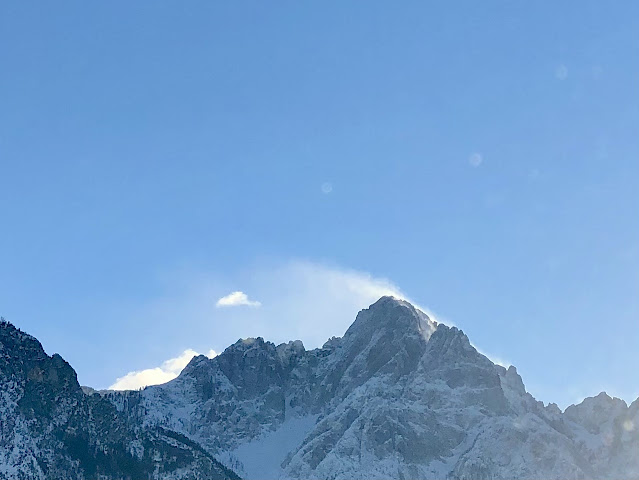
(394, 313)
(295, 299)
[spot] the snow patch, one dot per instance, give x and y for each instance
(262, 457)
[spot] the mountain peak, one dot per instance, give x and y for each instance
(392, 313)
(391, 301)
(389, 337)
(592, 412)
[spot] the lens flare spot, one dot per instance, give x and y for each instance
(561, 72)
(475, 159)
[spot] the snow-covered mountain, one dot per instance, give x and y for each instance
(51, 429)
(398, 397)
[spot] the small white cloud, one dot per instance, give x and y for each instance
(561, 72)
(475, 159)
(236, 299)
(327, 188)
(211, 353)
(169, 370)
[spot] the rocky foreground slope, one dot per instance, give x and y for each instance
(398, 397)
(51, 430)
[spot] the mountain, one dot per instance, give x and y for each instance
(399, 396)
(52, 429)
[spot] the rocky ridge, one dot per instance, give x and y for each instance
(51, 429)
(398, 396)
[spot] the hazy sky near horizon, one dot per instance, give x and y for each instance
(481, 158)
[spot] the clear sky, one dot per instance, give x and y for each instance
(480, 157)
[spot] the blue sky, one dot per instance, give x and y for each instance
(482, 159)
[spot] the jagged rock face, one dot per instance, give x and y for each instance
(596, 413)
(387, 339)
(608, 430)
(398, 396)
(52, 430)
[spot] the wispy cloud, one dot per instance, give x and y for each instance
(299, 299)
(169, 370)
(236, 299)
(304, 300)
